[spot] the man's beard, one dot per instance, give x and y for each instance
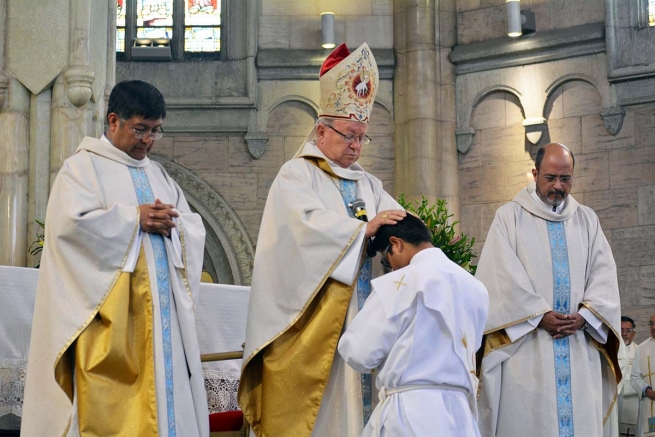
(548, 200)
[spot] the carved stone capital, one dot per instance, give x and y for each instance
(464, 139)
(4, 86)
(78, 82)
(257, 142)
(534, 128)
(613, 119)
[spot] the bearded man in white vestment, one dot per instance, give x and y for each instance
(629, 398)
(420, 327)
(114, 349)
(642, 379)
(549, 358)
(311, 273)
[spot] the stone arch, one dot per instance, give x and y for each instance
(229, 253)
(294, 98)
(558, 84)
(465, 131)
(288, 125)
(493, 89)
(612, 115)
(571, 77)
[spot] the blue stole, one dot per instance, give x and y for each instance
(561, 348)
(348, 191)
(144, 195)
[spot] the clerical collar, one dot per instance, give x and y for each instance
(556, 209)
(354, 172)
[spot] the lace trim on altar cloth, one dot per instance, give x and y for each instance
(222, 390)
(12, 386)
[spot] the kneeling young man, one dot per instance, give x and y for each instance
(421, 327)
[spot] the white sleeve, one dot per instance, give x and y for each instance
(637, 377)
(174, 246)
(369, 337)
(517, 331)
(133, 256)
(597, 329)
(347, 268)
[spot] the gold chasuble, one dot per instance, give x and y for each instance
(305, 288)
(114, 364)
(284, 384)
(114, 349)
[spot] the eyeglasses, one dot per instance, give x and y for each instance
(140, 134)
(384, 261)
(562, 179)
(350, 138)
(651, 323)
(627, 330)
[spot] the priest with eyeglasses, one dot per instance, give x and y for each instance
(311, 274)
(114, 349)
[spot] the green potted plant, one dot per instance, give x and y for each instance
(458, 248)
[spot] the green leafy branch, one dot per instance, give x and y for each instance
(458, 248)
(37, 245)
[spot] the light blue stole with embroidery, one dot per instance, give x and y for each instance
(144, 195)
(348, 191)
(561, 348)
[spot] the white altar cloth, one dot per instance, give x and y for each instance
(220, 320)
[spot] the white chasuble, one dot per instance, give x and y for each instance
(534, 261)
(95, 261)
(643, 375)
(421, 327)
(307, 239)
(630, 404)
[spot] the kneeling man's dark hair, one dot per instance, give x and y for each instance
(410, 229)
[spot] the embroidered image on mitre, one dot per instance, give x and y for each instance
(349, 83)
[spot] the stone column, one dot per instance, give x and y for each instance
(39, 160)
(47, 103)
(424, 103)
(72, 90)
(14, 115)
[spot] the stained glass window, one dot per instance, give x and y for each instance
(651, 12)
(120, 26)
(202, 20)
(192, 26)
(154, 19)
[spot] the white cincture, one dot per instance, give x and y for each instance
(386, 393)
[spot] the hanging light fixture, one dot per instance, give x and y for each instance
(327, 27)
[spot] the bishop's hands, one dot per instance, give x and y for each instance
(158, 217)
(561, 325)
(388, 217)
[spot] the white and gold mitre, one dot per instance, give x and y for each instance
(349, 83)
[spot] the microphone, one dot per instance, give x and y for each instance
(358, 207)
